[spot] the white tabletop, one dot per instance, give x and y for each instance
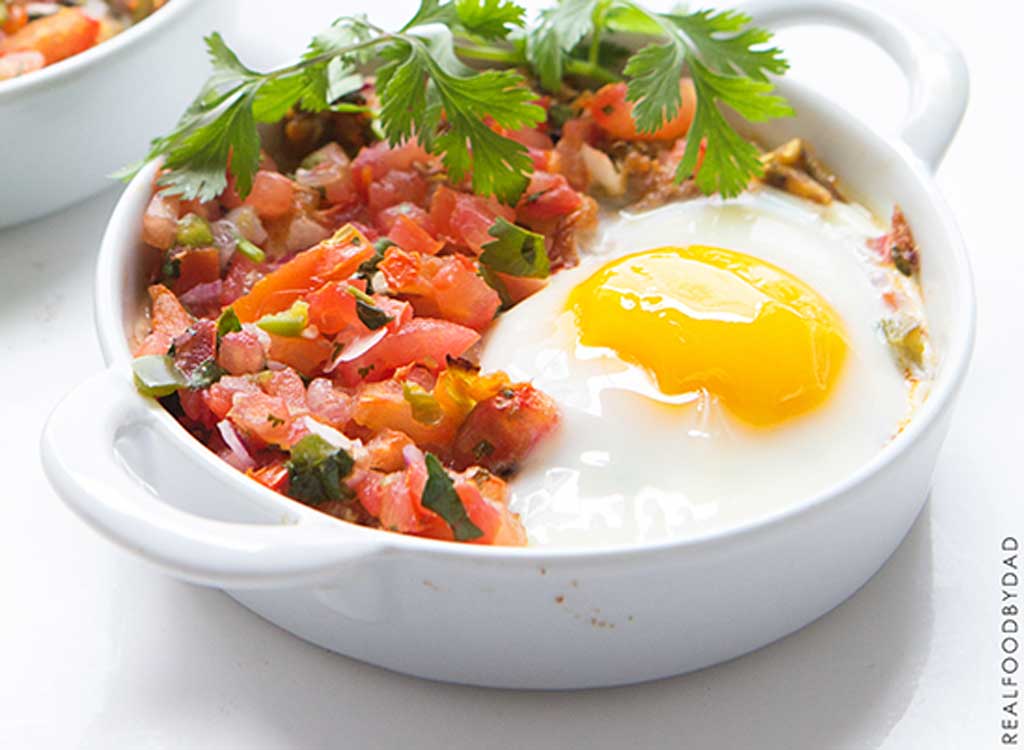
(97, 650)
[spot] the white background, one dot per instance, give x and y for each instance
(99, 651)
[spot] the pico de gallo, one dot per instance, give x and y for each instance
(319, 335)
(36, 34)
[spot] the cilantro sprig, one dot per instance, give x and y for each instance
(428, 92)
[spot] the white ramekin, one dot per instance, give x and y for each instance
(534, 617)
(66, 128)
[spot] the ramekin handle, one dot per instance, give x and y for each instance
(934, 67)
(79, 458)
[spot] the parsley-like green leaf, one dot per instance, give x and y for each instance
(490, 19)
(560, 29)
(439, 495)
(371, 316)
(516, 251)
(729, 65)
(316, 470)
(228, 322)
(725, 43)
(205, 375)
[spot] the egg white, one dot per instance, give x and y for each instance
(629, 465)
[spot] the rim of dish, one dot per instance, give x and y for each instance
(116, 354)
(91, 57)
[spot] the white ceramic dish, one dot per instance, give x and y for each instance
(536, 618)
(67, 127)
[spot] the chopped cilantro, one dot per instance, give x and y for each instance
(228, 322)
(316, 470)
(371, 315)
(516, 251)
(439, 495)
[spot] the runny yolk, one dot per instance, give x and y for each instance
(708, 318)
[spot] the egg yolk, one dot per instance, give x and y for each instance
(766, 344)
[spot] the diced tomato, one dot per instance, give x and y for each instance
(547, 196)
(614, 114)
(449, 287)
(329, 404)
(168, 320)
(160, 221)
(58, 36)
(332, 174)
(425, 341)
(274, 476)
(575, 134)
(209, 210)
(271, 194)
(465, 219)
(241, 276)
(203, 300)
(520, 287)
(17, 17)
(196, 265)
(531, 137)
(382, 406)
(331, 307)
(196, 347)
(411, 236)
(219, 396)
(374, 162)
(305, 355)
(262, 416)
(502, 430)
(394, 188)
(196, 409)
(463, 297)
(241, 352)
(387, 218)
(384, 450)
(396, 499)
(333, 259)
(286, 384)
(485, 498)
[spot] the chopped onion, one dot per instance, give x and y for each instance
(303, 232)
(328, 433)
(356, 348)
(602, 170)
(242, 458)
(248, 224)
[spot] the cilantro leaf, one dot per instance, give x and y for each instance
(560, 29)
(516, 251)
(729, 65)
(725, 45)
(371, 316)
(205, 375)
(500, 166)
(316, 470)
(439, 495)
(729, 159)
(431, 11)
(228, 322)
(490, 19)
